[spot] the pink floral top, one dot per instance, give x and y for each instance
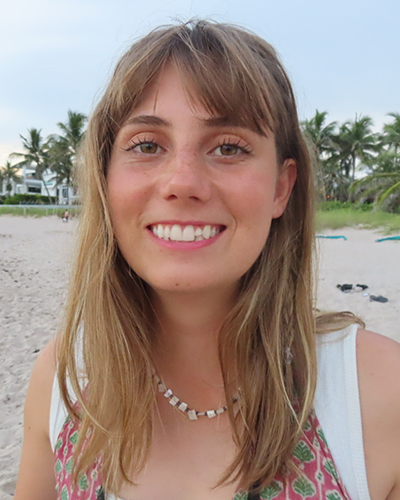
(321, 480)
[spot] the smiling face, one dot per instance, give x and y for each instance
(192, 196)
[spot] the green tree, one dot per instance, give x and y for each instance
(9, 174)
(64, 148)
(321, 134)
(383, 183)
(391, 135)
(322, 137)
(35, 155)
(356, 141)
(73, 130)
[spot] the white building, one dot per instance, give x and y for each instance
(31, 184)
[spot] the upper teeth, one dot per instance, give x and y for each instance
(184, 233)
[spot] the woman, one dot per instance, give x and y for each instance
(193, 286)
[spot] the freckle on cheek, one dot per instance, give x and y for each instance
(176, 284)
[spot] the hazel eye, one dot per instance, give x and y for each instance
(228, 149)
(148, 147)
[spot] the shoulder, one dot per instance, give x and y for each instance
(36, 476)
(38, 399)
(378, 367)
(46, 362)
(378, 360)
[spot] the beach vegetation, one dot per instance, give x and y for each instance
(64, 149)
(35, 154)
(355, 164)
(356, 141)
(329, 206)
(9, 174)
(391, 134)
(385, 222)
(29, 198)
(382, 182)
(39, 211)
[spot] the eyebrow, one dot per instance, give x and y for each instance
(148, 120)
(217, 121)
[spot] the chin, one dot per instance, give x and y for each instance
(190, 284)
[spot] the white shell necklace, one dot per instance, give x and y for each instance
(183, 407)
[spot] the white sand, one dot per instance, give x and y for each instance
(34, 257)
(361, 260)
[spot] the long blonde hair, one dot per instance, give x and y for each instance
(109, 317)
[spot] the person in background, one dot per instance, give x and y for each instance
(65, 216)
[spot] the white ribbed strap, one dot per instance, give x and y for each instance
(58, 414)
(354, 413)
(337, 405)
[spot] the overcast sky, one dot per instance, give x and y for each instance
(342, 55)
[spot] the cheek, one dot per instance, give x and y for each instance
(252, 207)
(127, 194)
(253, 200)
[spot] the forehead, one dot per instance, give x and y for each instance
(172, 92)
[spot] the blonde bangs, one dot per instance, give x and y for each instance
(238, 80)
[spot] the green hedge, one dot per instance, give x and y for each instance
(328, 206)
(31, 199)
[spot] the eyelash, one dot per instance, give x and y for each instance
(134, 144)
(244, 148)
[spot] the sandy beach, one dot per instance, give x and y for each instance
(34, 269)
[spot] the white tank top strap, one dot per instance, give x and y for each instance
(58, 414)
(337, 405)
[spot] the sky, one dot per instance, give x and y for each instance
(342, 56)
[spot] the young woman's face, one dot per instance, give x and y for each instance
(192, 196)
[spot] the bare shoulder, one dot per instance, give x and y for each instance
(46, 360)
(40, 386)
(36, 477)
(378, 366)
(378, 359)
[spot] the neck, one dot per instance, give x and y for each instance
(187, 349)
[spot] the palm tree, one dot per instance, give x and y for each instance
(356, 142)
(9, 174)
(391, 135)
(64, 148)
(322, 137)
(73, 130)
(384, 181)
(60, 160)
(36, 154)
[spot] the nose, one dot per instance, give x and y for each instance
(186, 178)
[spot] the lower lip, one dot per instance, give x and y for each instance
(184, 245)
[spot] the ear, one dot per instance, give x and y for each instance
(284, 184)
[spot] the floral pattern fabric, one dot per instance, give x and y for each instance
(320, 481)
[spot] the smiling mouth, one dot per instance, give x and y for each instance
(187, 233)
